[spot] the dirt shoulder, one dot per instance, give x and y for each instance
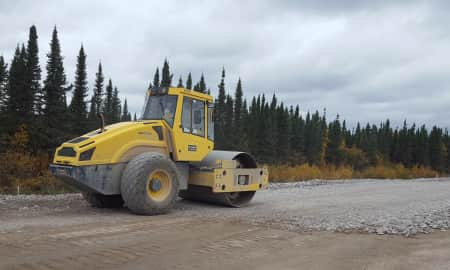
(165, 242)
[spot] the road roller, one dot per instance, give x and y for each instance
(147, 164)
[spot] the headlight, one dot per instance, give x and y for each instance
(87, 155)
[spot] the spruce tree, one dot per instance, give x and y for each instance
(334, 150)
(33, 72)
(19, 104)
(245, 127)
(437, 149)
(197, 87)
(282, 133)
(421, 153)
(98, 88)
(125, 114)
(156, 78)
(3, 104)
(202, 85)
(237, 128)
(219, 115)
(108, 103)
(78, 106)
(166, 80)
(55, 95)
(189, 81)
(180, 83)
(3, 84)
(97, 98)
(116, 106)
(270, 130)
(228, 125)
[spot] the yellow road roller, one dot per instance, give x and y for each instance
(146, 164)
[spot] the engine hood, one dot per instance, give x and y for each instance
(108, 146)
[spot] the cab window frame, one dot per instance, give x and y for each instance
(210, 121)
(190, 129)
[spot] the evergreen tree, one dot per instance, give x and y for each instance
(237, 127)
(437, 149)
(180, 83)
(3, 103)
(55, 95)
(97, 98)
(34, 91)
(421, 150)
(126, 116)
(219, 123)
(166, 80)
(189, 81)
(245, 127)
(78, 106)
(116, 106)
(98, 88)
(202, 85)
(134, 118)
(20, 100)
(334, 154)
(33, 72)
(3, 84)
(297, 139)
(385, 140)
(228, 127)
(282, 133)
(108, 103)
(156, 78)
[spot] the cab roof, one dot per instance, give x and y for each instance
(180, 91)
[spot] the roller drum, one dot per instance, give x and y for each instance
(205, 194)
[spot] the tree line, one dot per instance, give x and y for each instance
(272, 131)
(278, 134)
(40, 107)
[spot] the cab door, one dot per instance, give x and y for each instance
(191, 140)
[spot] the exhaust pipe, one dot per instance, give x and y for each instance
(102, 122)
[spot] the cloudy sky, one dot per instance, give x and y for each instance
(366, 60)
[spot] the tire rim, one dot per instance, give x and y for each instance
(159, 185)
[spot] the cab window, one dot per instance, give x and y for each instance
(193, 116)
(210, 122)
(186, 115)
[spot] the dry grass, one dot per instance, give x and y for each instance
(22, 172)
(307, 172)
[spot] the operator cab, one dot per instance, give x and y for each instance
(188, 115)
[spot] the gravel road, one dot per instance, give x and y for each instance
(288, 226)
(403, 207)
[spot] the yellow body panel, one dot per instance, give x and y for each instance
(183, 142)
(228, 179)
(114, 143)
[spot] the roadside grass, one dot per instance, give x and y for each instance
(23, 173)
(284, 173)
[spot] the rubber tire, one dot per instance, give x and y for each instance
(134, 183)
(103, 201)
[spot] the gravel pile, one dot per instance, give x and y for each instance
(405, 207)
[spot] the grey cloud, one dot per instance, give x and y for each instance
(366, 60)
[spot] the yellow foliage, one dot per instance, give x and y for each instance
(397, 171)
(303, 172)
(18, 168)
